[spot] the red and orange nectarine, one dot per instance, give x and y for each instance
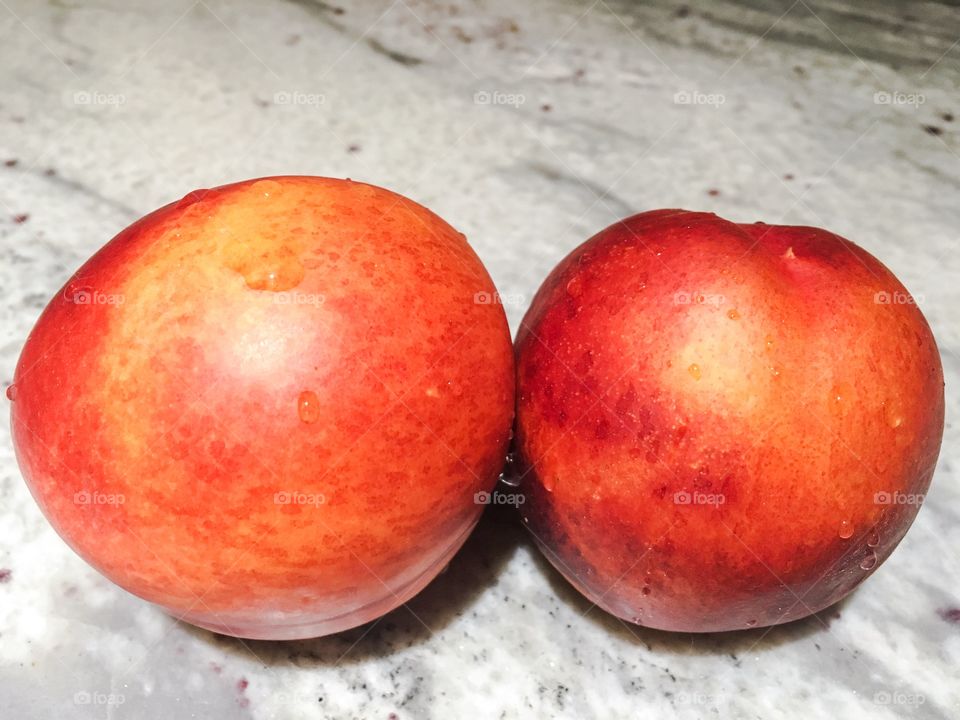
(723, 425)
(268, 407)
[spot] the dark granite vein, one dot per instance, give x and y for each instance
(602, 195)
(396, 56)
(78, 187)
(882, 31)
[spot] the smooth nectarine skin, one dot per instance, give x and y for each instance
(723, 426)
(268, 407)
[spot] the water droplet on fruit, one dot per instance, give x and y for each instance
(646, 590)
(769, 342)
(751, 623)
(733, 314)
(509, 478)
(549, 483)
(846, 529)
(273, 271)
(893, 415)
(11, 392)
(266, 188)
(510, 475)
(839, 396)
(694, 371)
(190, 198)
(775, 370)
(873, 540)
(308, 406)
(869, 561)
(575, 287)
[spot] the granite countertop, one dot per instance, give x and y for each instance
(528, 126)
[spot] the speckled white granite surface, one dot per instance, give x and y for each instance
(529, 126)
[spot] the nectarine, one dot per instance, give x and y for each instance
(268, 407)
(723, 426)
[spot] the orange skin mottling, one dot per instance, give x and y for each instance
(289, 390)
(675, 356)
